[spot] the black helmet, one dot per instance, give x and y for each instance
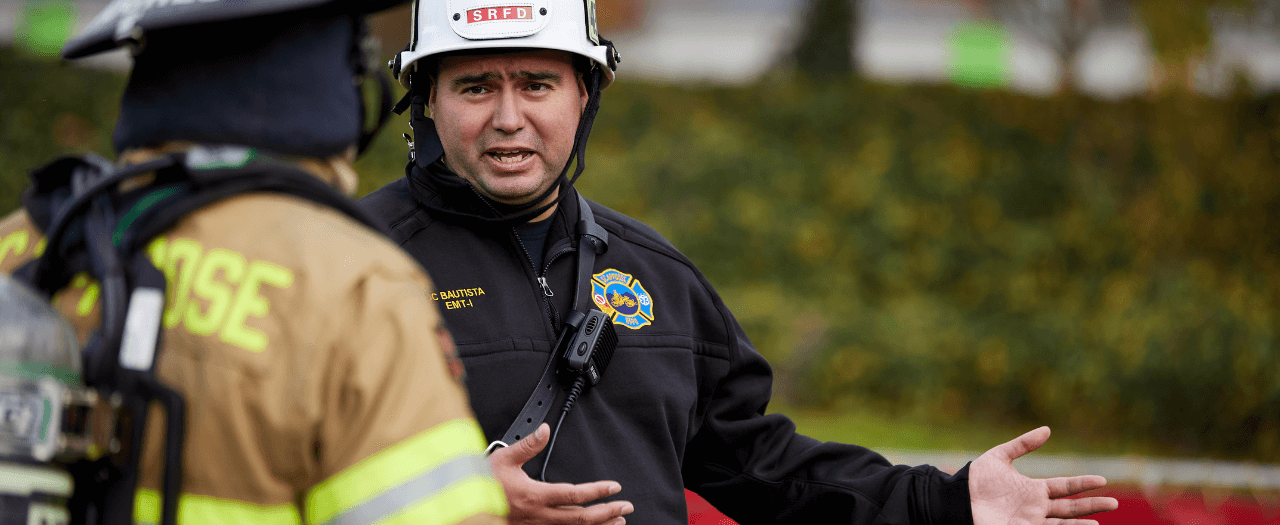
(243, 72)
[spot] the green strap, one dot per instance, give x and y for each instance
(137, 210)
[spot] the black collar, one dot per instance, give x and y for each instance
(450, 198)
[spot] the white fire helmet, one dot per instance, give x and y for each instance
(445, 26)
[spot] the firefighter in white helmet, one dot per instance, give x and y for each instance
(588, 424)
(272, 358)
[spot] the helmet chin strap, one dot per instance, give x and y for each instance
(426, 149)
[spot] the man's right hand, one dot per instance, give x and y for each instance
(535, 502)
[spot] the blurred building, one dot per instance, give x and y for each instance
(715, 41)
(1034, 46)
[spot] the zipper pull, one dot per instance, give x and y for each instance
(546, 289)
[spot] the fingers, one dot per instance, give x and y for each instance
(564, 494)
(1055, 521)
(538, 503)
(525, 449)
(600, 514)
(1059, 487)
(1078, 507)
(1022, 445)
(1075, 508)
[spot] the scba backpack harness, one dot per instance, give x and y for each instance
(94, 226)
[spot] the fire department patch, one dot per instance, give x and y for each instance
(622, 298)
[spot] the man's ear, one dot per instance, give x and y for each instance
(583, 95)
(431, 96)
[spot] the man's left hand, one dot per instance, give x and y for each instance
(1000, 495)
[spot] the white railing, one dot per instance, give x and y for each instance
(1134, 470)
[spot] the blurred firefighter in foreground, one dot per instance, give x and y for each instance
(253, 352)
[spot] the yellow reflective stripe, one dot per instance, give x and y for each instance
(475, 495)
(437, 485)
(207, 510)
(401, 463)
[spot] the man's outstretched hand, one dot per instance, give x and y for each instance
(537, 503)
(1000, 495)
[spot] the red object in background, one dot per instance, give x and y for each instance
(1189, 507)
(1134, 508)
(1195, 506)
(702, 513)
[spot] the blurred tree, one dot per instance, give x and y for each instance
(1268, 15)
(1181, 33)
(825, 46)
(615, 16)
(391, 28)
(1062, 25)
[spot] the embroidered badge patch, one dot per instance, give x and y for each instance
(622, 298)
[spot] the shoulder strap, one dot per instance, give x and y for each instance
(165, 206)
(62, 192)
(60, 201)
(592, 240)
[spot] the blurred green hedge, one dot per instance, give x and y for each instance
(1110, 268)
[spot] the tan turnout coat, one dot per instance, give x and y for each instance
(311, 361)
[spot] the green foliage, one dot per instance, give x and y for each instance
(1105, 267)
(1108, 268)
(43, 26)
(48, 109)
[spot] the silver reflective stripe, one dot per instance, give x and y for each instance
(22, 481)
(141, 328)
(413, 491)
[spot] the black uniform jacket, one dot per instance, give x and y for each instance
(682, 402)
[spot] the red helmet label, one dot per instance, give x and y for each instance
(493, 14)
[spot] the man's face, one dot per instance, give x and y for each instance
(507, 120)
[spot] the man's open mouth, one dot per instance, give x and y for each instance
(509, 157)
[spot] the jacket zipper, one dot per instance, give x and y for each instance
(547, 265)
(547, 294)
(542, 282)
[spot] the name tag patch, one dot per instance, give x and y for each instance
(458, 298)
(487, 19)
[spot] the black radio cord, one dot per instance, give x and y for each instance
(574, 392)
